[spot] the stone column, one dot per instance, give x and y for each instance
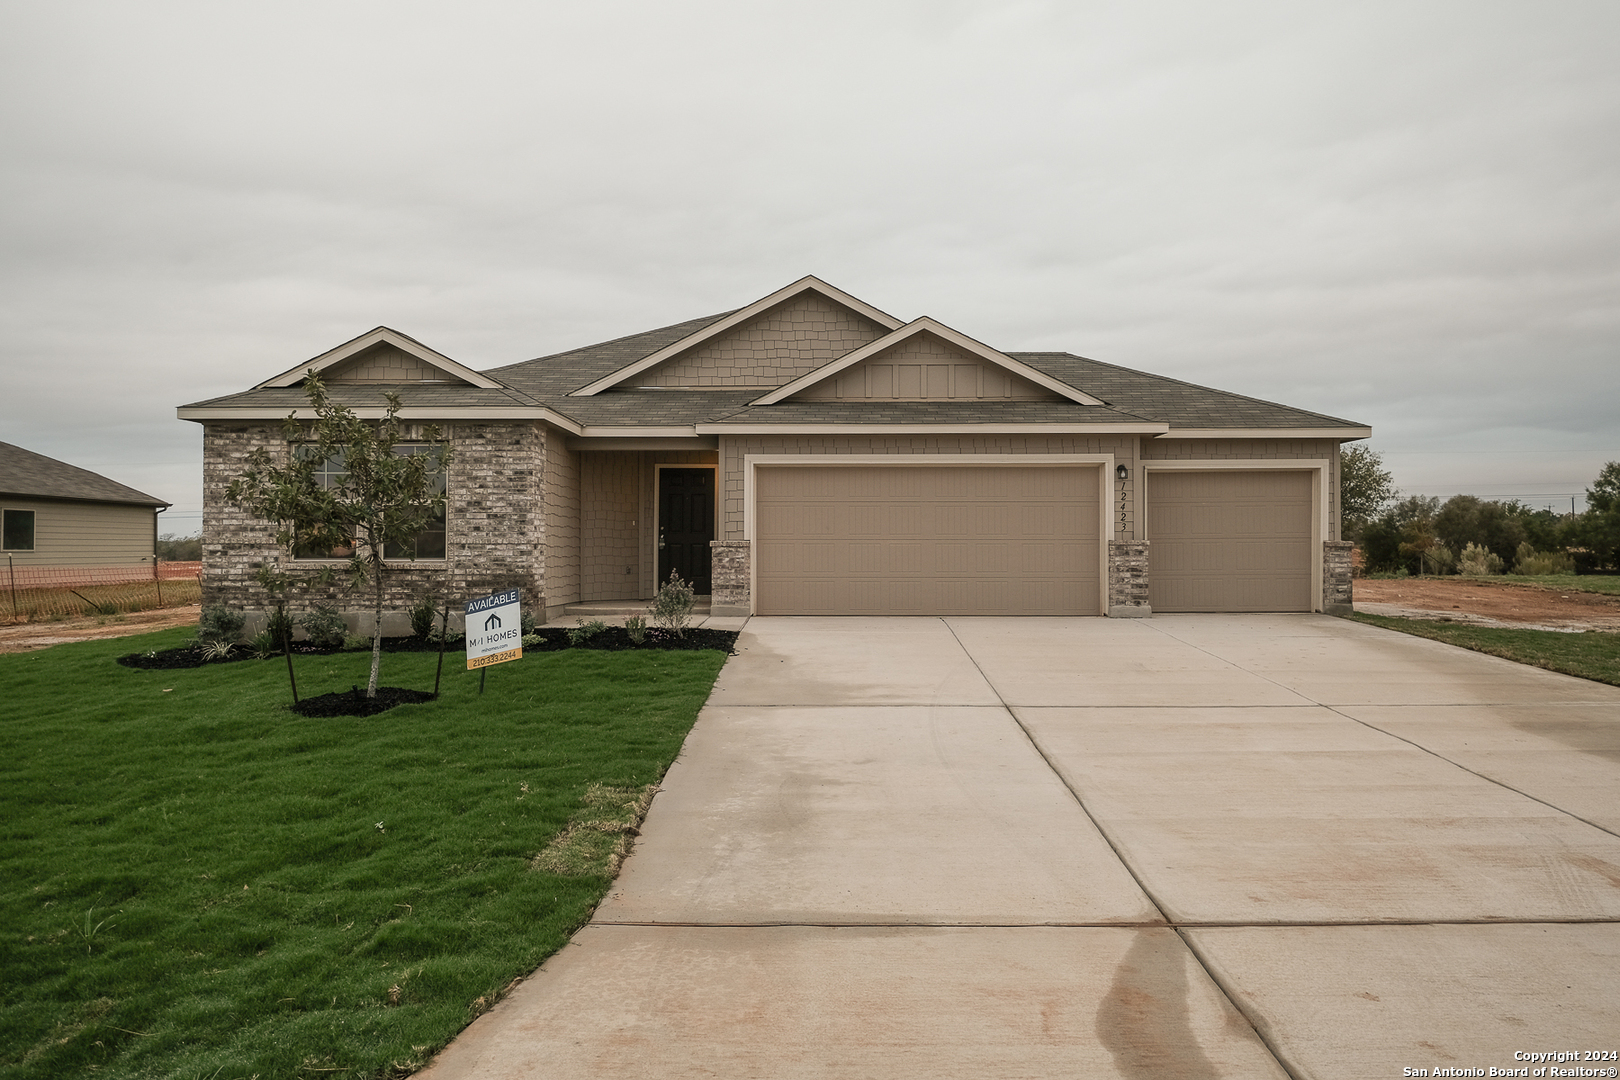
(1128, 579)
(1336, 581)
(730, 595)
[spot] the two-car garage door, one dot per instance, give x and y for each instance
(928, 540)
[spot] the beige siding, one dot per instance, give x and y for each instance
(385, 363)
(927, 540)
(793, 338)
(1230, 541)
(610, 525)
(563, 517)
(84, 534)
(735, 448)
(926, 368)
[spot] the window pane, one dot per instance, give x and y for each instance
(430, 544)
(18, 530)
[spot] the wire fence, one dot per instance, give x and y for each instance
(35, 593)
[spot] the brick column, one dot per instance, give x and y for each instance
(731, 596)
(1336, 582)
(1128, 579)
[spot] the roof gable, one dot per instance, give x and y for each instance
(383, 355)
(792, 330)
(930, 331)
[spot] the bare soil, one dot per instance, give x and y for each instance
(1488, 602)
(26, 637)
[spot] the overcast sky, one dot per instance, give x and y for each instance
(1406, 214)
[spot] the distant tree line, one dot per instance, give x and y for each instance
(173, 548)
(1468, 535)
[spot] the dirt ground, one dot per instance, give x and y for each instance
(26, 637)
(1475, 601)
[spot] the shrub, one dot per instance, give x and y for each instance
(582, 633)
(672, 607)
(325, 627)
(356, 643)
(422, 615)
(220, 624)
(279, 626)
(1533, 563)
(264, 644)
(636, 627)
(1478, 561)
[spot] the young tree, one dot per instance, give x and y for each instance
(346, 487)
(1600, 525)
(1365, 488)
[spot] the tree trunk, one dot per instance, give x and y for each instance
(376, 631)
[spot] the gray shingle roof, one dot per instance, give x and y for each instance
(25, 473)
(1130, 396)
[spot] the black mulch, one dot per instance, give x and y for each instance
(616, 638)
(552, 639)
(355, 703)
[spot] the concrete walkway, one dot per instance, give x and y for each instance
(1188, 846)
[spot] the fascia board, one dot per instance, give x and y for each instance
(377, 412)
(295, 375)
(934, 326)
(989, 428)
(1346, 433)
(673, 431)
(736, 318)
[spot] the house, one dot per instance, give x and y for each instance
(810, 454)
(56, 516)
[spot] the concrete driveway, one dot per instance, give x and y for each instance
(1189, 846)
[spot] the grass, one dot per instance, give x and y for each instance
(1594, 655)
(196, 882)
(1608, 584)
(40, 605)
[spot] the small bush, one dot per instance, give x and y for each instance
(422, 615)
(264, 644)
(215, 649)
(356, 643)
(279, 626)
(530, 641)
(1533, 563)
(325, 627)
(1478, 561)
(582, 633)
(636, 627)
(672, 607)
(220, 624)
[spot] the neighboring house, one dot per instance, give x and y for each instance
(54, 515)
(811, 455)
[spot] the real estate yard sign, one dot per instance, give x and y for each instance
(494, 630)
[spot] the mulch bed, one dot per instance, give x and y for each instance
(552, 639)
(355, 703)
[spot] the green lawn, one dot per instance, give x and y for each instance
(1593, 656)
(196, 882)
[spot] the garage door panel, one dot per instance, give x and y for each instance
(927, 540)
(1230, 541)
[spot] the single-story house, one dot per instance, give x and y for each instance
(58, 516)
(810, 454)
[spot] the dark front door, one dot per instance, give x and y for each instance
(685, 525)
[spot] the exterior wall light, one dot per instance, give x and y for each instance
(1122, 473)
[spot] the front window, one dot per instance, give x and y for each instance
(17, 530)
(429, 543)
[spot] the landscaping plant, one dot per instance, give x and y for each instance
(672, 608)
(372, 498)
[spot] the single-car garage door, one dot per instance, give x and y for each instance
(1229, 541)
(927, 540)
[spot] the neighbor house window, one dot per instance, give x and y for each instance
(429, 543)
(18, 530)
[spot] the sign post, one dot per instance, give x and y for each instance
(494, 632)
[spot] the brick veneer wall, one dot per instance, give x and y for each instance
(1128, 579)
(495, 525)
(732, 596)
(1337, 582)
